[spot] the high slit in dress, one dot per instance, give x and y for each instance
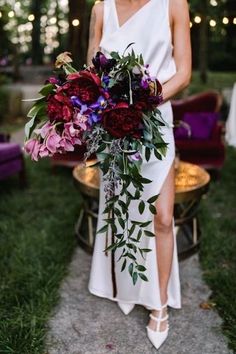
(149, 30)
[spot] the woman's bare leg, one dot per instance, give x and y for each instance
(164, 238)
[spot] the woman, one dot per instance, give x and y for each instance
(159, 30)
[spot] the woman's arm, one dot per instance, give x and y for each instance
(95, 31)
(179, 18)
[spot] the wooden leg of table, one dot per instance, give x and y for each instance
(195, 238)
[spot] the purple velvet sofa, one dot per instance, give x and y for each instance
(11, 160)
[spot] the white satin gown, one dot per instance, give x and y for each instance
(149, 29)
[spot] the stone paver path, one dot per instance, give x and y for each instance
(85, 324)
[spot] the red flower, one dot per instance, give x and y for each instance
(59, 108)
(84, 84)
(122, 121)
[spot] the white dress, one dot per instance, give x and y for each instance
(149, 29)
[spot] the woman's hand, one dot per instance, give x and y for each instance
(179, 21)
(95, 31)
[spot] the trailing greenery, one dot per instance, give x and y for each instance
(218, 246)
(36, 245)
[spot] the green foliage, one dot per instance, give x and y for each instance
(36, 244)
(217, 252)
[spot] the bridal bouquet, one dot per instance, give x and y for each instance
(111, 106)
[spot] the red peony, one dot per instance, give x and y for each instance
(84, 85)
(59, 108)
(122, 121)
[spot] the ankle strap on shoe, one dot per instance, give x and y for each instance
(157, 319)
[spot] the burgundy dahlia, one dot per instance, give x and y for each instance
(59, 108)
(122, 121)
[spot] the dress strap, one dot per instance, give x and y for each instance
(106, 10)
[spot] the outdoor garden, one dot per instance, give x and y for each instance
(39, 208)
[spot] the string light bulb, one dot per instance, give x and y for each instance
(31, 17)
(75, 22)
(225, 20)
(197, 19)
(212, 23)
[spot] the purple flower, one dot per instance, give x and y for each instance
(94, 118)
(78, 103)
(100, 62)
(135, 157)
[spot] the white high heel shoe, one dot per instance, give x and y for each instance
(125, 307)
(158, 337)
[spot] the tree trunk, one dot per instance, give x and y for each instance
(37, 51)
(203, 43)
(78, 35)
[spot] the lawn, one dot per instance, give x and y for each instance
(218, 247)
(36, 244)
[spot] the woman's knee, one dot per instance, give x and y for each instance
(163, 222)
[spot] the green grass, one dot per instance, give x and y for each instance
(216, 81)
(36, 245)
(218, 247)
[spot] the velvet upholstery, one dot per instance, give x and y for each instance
(208, 153)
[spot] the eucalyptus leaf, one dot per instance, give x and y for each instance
(123, 265)
(135, 277)
(143, 276)
(141, 207)
(131, 267)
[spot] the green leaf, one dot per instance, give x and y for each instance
(147, 153)
(143, 277)
(149, 233)
(46, 89)
(117, 212)
(157, 154)
(153, 199)
(141, 268)
(144, 224)
(35, 110)
(121, 244)
(114, 228)
(131, 267)
(146, 250)
(141, 207)
(121, 222)
(131, 256)
(135, 277)
(152, 209)
(115, 55)
(112, 247)
(28, 127)
(123, 265)
(139, 235)
(145, 180)
(101, 148)
(131, 230)
(103, 229)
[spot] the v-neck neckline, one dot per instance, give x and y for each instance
(131, 17)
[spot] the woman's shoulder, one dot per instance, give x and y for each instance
(98, 9)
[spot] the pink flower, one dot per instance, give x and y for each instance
(53, 142)
(32, 147)
(44, 130)
(43, 151)
(66, 145)
(81, 121)
(29, 146)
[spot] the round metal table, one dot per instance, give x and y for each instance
(191, 183)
